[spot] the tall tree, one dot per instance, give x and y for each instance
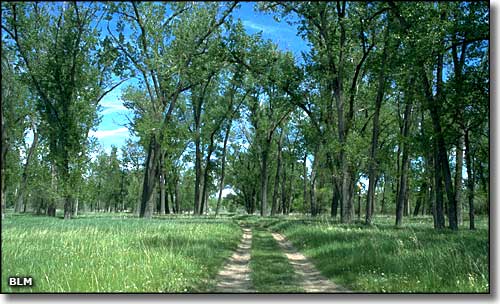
(68, 70)
(164, 64)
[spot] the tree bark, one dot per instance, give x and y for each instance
(404, 161)
(277, 178)
(204, 193)
(177, 196)
(359, 204)
(264, 180)
(312, 188)
(382, 207)
(335, 198)
(5, 149)
(223, 167)
(470, 180)
(372, 166)
(77, 201)
(197, 182)
(304, 173)
(24, 178)
(439, 222)
(284, 195)
(459, 160)
(162, 184)
(433, 104)
(150, 175)
(421, 198)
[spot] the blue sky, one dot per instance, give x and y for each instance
(112, 130)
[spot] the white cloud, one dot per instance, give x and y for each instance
(111, 106)
(109, 133)
(269, 29)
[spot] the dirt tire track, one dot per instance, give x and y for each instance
(312, 279)
(235, 275)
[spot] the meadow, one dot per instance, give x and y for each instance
(381, 258)
(115, 254)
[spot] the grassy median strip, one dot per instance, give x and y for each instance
(270, 269)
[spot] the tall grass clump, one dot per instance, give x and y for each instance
(115, 254)
(382, 258)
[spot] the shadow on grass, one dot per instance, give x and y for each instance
(271, 271)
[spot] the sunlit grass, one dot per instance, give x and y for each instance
(271, 271)
(384, 259)
(113, 254)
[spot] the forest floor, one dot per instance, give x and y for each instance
(236, 253)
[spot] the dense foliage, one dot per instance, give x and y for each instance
(387, 113)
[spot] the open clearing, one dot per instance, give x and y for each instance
(178, 254)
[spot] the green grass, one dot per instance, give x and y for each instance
(384, 259)
(120, 253)
(116, 254)
(270, 269)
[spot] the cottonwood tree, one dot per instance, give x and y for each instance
(342, 39)
(163, 59)
(60, 51)
(14, 111)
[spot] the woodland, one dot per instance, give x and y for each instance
(383, 121)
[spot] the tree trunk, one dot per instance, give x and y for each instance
(177, 196)
(407, 208)
(284, 195)
(359, 205)
(417, 206)
(372, 167)
(150, 175)
(421, 198)
(277, 178)
(404, 161)
(374, 200)
(223, 167)
(382, 207)
(197, 183)
(459, 159)
(432, 198)
(264, 180)
(433, 104)
(204, 193)
(335, 198)
(304, 173)
(5, 149)
(24, 179)
(346, 202)
(162, 185)
(470, 180)
(438, 192)
(77, 200)
(287, 198)
(67, 207)
(313, 182)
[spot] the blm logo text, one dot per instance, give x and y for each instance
(20, 281)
